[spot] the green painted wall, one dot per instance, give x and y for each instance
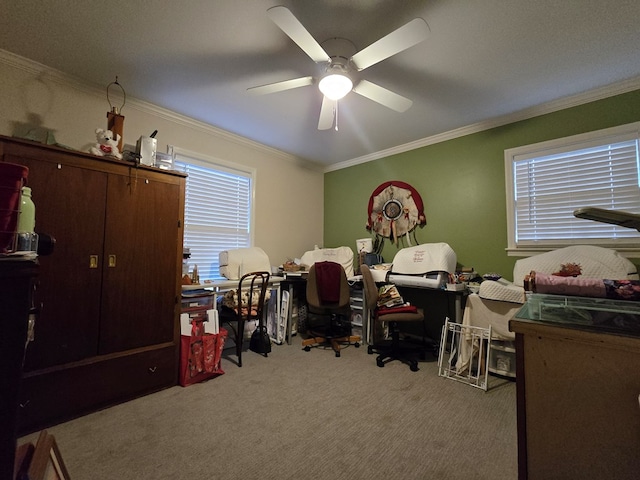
(461, 182)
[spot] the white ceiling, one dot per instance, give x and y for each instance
(483, 59)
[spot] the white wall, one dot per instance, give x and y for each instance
(289, 191)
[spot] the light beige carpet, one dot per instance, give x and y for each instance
(300, 415)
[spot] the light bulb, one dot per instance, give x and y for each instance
(335, 86)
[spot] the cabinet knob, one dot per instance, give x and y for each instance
(93, 261)
(112, 261)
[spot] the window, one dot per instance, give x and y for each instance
(218, 210)
(547, 182)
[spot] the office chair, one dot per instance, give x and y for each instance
(393, 349)
(250, 301)
(328, 308)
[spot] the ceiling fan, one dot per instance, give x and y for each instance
(340, 65)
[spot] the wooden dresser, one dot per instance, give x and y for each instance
(578, 403)
(108, 328)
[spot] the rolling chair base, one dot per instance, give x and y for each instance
(395, 349)
(335, 343)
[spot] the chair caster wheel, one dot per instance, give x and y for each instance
(369, 349)
(357, 345)
(307, 348)
(337, 354)
(414, 367)
(379, 362)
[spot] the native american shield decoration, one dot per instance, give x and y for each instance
(395, 209)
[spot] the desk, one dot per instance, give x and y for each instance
(220, 287)
(293, 281)
(436, 303)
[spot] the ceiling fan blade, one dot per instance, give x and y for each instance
(280, 86)
(404, 37)
(327, 114)
(290, 25)
(383, 96)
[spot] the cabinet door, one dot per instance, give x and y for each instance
(70, 206)
(139, 300)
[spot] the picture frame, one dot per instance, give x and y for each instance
(47, 463)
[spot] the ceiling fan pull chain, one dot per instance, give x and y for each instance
(336, 113)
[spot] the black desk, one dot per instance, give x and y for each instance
(294, 282)
(437, 304)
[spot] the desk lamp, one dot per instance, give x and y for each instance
(616, 217)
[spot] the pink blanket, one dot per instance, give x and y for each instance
(584, 287)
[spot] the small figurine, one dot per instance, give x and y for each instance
(107, 145)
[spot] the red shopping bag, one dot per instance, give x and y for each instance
(200, 354)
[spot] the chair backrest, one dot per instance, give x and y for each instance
(252, 289)
(370, 288)
(321, 275)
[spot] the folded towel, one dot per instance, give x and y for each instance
(398, 309)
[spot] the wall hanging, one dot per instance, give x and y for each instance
(395, 210)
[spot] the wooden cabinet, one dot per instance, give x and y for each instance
(17, 279)
(578, 410)
(110, 292)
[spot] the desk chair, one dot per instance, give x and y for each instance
(393, 349)
(328, 308)
(250, 301)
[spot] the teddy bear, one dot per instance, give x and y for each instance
(107, 145)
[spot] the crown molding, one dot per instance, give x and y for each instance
(618, 88)
(61, 78)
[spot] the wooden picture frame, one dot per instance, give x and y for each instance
(47, 463)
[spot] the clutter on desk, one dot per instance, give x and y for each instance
(192, 278)
(293, 266)
(186, 255)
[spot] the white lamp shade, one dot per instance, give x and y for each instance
(335, 86)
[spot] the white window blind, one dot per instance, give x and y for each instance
(549, 184)
(217, 213)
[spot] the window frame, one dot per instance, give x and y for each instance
(195, 158)
(627, 247)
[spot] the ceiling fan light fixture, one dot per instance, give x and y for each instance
(335, 86)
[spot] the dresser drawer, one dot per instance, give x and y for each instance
(51, 397)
